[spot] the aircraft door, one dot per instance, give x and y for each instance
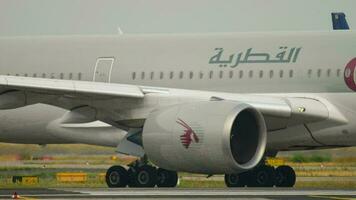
(103, 68)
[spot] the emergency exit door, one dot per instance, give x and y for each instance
(103, 68)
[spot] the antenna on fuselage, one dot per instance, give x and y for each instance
(119, 30)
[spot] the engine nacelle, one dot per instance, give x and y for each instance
(205, 137)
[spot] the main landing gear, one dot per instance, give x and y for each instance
(263, 176)
(140, 175)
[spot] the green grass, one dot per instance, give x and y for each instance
(326, 184)
(301, 158)
(201, 184)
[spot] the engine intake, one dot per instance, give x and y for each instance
(205, 137)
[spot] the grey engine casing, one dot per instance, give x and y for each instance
(208, 149)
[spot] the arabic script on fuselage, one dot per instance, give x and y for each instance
(286, 55)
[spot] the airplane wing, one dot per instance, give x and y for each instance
(127, 106)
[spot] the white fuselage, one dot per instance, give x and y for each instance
(278, 64)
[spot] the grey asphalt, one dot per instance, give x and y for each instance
(162, 193)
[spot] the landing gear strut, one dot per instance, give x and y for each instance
(263, 176)
(140, 174)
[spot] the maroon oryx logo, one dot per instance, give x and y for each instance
(189, 135)
(349, 75)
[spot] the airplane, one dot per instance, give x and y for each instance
(203, 103)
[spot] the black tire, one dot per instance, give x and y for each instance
(166, 178)
(236, 180)
(285, 176)
(145, 176)
(262, 176)
(116, 176)
(131, 173)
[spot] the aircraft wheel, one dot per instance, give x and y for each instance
(262, 176)
(236, 180)
(116, 176)
(144, 176)
(166, 178)
(285, 176)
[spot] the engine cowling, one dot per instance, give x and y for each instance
(205, 137)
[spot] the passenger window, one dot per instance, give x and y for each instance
(34, 75)
(52, 76)
(221, 74)
(291, 73)
(281, 74)
(310, 72)
(241, 74)
(271, 74)
(338, 72)
(211, 74)
(231, 74)
(161, 75)
(43, 75)
(79, 76)
(201, 75)
(133, 75)
(191, 75)
(152, 74)
(171, 75)
(181, 74)
(26, 75)
(328, 73)
(70, 76)
(142, 75)
(319, 73)
(261, 74)
(61, 76)
(250, 74)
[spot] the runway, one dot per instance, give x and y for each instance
(144, 193)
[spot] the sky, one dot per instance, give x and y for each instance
(52, 17)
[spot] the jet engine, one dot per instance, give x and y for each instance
(205, 137)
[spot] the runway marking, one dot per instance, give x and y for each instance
(27, 198)
(31, 196)
(228, 192)
(333, 197)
